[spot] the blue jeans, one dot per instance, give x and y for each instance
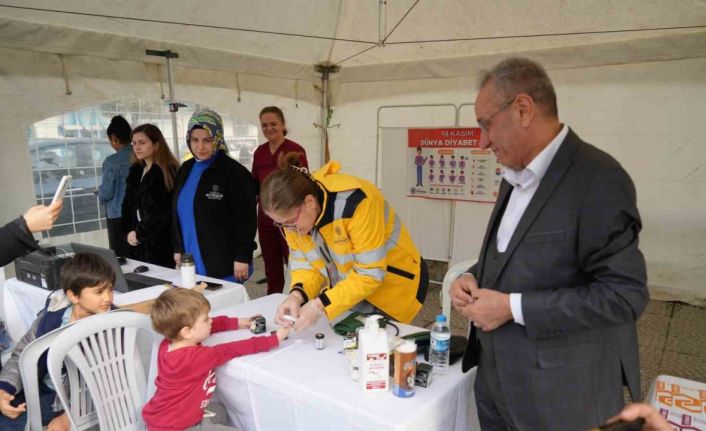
(46, 402)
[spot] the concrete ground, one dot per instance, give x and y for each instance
(671, 335)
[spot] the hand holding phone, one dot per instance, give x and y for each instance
(40, 218)
(61, 190)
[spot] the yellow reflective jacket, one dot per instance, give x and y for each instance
(370, 253)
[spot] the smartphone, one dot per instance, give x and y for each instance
(61, 190)
(635, 425)
(210, 285)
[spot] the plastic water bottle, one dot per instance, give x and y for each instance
(440, 345)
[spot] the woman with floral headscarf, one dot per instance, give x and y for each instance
(214, 206)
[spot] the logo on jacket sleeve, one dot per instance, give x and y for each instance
(340, 236)
(214, 194)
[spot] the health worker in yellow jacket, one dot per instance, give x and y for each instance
(348, 248)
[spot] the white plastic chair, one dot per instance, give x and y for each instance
(103, 350)
(81, 403)
(5, 355)
(452, 274)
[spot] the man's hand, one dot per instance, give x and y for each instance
(489, 310)
(309, 314)
(7, 409)
(132, 238)
(460, 292)
(59, 423)
(177, 259)
(289, 306)
(40, 218)
(653, 420)
(240, 271)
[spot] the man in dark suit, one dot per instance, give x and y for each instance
(560, 280)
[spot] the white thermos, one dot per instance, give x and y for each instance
(188, 271)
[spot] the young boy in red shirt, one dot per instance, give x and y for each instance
(185, 376)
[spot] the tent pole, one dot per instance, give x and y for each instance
(325, 154)
(173, 105)
(382, 21)
(325, 69)
(173, 111)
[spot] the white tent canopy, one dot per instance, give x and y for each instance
(630, 77)
(422, 39)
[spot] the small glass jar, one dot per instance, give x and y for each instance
(320, 341)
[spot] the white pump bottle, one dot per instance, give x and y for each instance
(373, 357)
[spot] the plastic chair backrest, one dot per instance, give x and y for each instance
(452, 274)
(81, 405)
(103, 351)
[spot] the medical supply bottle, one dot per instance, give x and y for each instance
(440, 345)
(373, 357)
(188, 271)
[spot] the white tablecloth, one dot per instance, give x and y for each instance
(296, 387)
(22, 301)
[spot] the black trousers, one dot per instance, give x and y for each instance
(117, 238)
(490, 401)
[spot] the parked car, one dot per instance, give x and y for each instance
(81, 158)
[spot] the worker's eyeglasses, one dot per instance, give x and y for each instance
(484, 123)
(292, 224)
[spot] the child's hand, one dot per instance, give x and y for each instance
(7, 409)
(282, 333)
(244, 323)
(59, 423)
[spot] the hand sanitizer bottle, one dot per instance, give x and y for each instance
(373, 357)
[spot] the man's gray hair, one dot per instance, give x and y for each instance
(517, 75)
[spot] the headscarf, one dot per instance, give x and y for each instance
(212, 123)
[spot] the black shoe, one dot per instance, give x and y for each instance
(261, 281)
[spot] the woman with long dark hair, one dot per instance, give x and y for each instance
(268, 158)
(148, 197)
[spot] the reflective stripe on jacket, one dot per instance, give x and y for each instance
(370, 250)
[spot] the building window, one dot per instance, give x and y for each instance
(75, 144)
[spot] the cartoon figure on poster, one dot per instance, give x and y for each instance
(448, 163)
(419, 161)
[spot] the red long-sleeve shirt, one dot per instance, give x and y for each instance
(186, 379)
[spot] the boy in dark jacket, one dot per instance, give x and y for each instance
(87, 282)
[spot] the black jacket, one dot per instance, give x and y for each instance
(151, 199)
(224, 212)
(15, 241)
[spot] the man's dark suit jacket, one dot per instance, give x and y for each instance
(574, 257)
